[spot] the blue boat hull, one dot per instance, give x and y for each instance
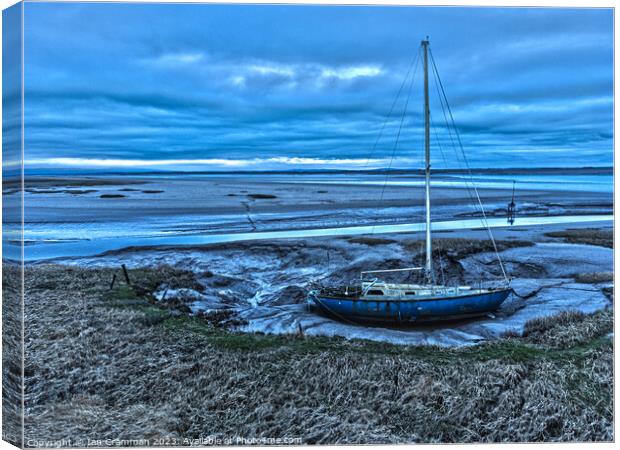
(411, 310)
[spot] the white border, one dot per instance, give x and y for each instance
(475, 3)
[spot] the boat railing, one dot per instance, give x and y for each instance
(366, 288)
(407, 269)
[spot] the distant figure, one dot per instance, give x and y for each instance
(511, 206)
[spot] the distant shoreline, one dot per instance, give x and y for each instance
(606, 170)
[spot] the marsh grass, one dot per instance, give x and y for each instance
(569, 329)
(460, 247)
(116, 365)
(594, 277)
(590, 236)
(370, 241)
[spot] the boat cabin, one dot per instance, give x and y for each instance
(372, 290)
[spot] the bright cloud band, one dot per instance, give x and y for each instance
(256, 163)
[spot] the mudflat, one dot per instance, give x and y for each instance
(326, 196)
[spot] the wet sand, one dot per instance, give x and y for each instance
(243, 195)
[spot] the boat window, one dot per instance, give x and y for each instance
(409, 293)
(375, 292)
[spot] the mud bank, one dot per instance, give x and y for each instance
(261, 286)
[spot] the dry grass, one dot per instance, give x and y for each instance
(449, 252)
(370, 241)
(149, 280)
(100, 368)
(594, 277)
(11, 354)
(590, 236)
(568, 329)
(459, 248)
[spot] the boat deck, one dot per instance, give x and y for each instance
(373, 291)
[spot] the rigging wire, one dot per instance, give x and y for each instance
(485, 221)
(445, 162)
(414, 59)
(458, 158)
(443, 156)
(400, 127)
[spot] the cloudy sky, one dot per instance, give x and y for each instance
(269, 87)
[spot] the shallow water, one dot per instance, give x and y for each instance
(67, 247)
(586, 183)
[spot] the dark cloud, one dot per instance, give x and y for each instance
(148, 82)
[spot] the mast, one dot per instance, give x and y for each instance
(427, 169)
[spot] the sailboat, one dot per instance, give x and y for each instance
(376, 301)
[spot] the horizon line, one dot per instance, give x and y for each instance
(271, 164)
